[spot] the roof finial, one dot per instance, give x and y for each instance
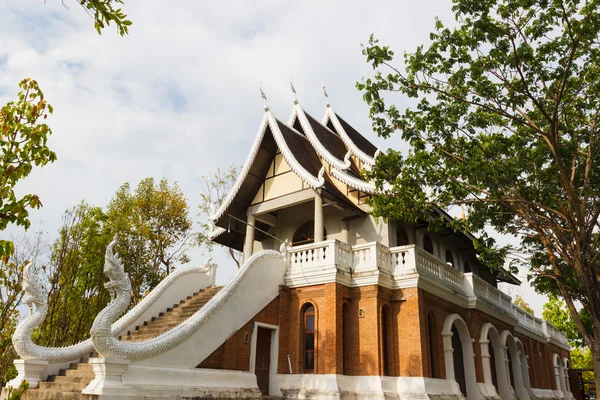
(294, 91)
(326, 96)
(264, 97)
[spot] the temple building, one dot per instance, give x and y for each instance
(330, 303)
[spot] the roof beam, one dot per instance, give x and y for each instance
(268, 219)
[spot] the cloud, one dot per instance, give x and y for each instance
(179, 96)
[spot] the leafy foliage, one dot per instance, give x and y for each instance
(558, 315)
(520, 301)
(104, 12)
(11, 273)
(23, 139)
(218, 184)
(75, 274)
(154, 228)
(504, 123)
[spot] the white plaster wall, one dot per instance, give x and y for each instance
(254, 292)
(369, 229)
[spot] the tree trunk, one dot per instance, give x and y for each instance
(595, 349)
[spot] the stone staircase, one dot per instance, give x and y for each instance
(69, 383)
(172, 317)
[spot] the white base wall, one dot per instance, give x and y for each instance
(342, 387)
(143, 382)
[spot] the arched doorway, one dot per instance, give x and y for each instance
(524, 367)
(401, 236)
(492, 354)
(308, 338)
(566, 368)
(450, 259)
(428, 244)
(456, 334)
(514, 365)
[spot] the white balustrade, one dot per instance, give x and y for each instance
(403, 262)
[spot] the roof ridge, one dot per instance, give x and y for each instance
(321, 150)
(360, 154)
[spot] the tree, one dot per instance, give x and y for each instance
(104, 12)
(520, 301)
(76, 292)
(11, 273)
(23, 140)
(217, 184)
(503, 121)
(558, 315)
(153, 228)
(23, 137)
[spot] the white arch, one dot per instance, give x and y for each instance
(559, 375)
(489, 333)
(473, 392)
(524, 367)
(567, 367)
(508, 340)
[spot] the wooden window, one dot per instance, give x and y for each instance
(449, 258)
(401, 236)
(308, 317)
(428, 244)
(305, 234)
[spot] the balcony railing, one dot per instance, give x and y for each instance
(331, 259)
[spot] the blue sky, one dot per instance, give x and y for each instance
(179, 97)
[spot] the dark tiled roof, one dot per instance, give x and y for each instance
(302, 150)
(359, 140)
(332, 142)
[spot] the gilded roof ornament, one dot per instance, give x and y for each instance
(264, 97)
(326, 96)
(294, 91)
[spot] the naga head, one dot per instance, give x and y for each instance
(114, 270)
(34, 290)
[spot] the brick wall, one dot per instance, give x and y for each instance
(349, 334)
(541, 370)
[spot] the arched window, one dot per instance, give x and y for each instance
(467, 267)
(449, 259)
(427, 244)
(309, 328)
(305, 234)
(385, 339)
(401, 236)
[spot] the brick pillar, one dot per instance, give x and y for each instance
(410, 333)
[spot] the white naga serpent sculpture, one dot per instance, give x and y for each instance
(35, 294)
(110, 347)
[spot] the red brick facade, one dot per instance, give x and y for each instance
(349, 334)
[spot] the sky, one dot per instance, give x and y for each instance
(179, 96)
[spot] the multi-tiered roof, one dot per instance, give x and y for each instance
(318, 152)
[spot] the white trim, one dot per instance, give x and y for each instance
(362, 156)
(349, 180)
(273, 363)
(269, 120)
(244, 172)
(299, 113)
(473, 391)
